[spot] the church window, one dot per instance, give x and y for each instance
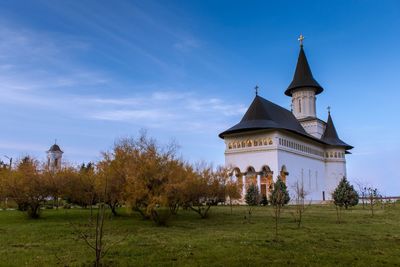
(265, 142)
(280, 141)
(243, 144)
(335, 154)
(270, 141)
(299, 105)
(234, 145)
(249, 143)
(230, 146)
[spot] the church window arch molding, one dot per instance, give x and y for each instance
(266, 181)
(249, 143)
(299, 105)
(251, 176)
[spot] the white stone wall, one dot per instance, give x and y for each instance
(307, 162)
(315, 127)
(54, 159)
(304, 167)
(335, 168)
(254, 156)
(304, 103)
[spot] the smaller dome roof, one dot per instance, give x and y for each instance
(303, 77)
(331, 137)
(55, 148)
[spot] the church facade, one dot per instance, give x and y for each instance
(271, 141)
(54, 157)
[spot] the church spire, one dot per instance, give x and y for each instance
(330, 135)
(303, 77)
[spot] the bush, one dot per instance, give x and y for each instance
(345, 195)
(264, 201)
(279, 198)
(252, 197)
(280, 195)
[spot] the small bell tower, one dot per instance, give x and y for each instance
(54, 157)
(303, 88)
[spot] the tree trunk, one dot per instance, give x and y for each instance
(203, 214)
(113, 207)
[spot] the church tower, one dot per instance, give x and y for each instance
(303, 90)
(54, 156)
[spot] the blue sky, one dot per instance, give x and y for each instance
(88, 72)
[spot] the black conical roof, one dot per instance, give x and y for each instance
(55, 148)
(303, 76)
(330, 135)
(263, 114)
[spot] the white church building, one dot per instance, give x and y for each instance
(54, 157)
(271, 141)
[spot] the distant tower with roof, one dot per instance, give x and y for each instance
(296, 145)
(54, 157)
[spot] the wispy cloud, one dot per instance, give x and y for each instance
(187, 111)
(51, 79)
(187, 44)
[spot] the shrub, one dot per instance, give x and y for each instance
(252, 197)
(264, 201)
(279, 198)
(344, 196)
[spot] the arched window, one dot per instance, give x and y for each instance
(248, 143)
(299, 105)
(230, 145)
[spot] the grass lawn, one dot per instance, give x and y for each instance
(224, 239)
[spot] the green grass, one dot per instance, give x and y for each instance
(221, 240)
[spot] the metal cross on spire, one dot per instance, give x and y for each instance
(300, 39)
(256, 88)
(329, 109)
